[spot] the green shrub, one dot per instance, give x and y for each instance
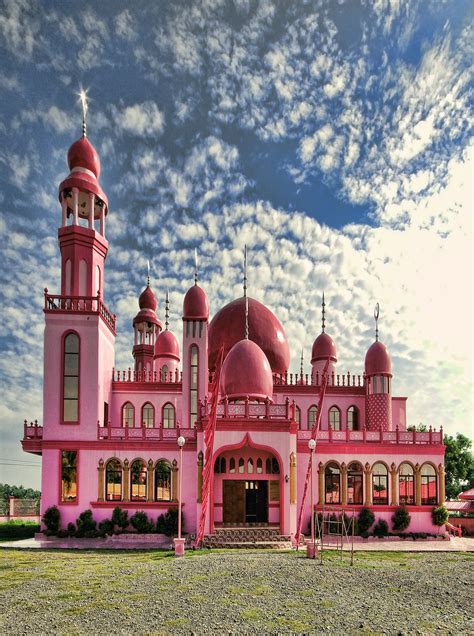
(71, 528)
(364, 520)
(106, 526)
(51, 519)
(349, 522)
(62, 533)
(167, 523)
(120, 518)
(91, 534)
(140, 522)
(18, 530)
(381, 528)
(85, 523)
(439, 515)
(401, 519)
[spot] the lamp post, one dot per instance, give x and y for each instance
(179, 542)
(311, 548)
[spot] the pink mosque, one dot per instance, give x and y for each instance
(109, 437)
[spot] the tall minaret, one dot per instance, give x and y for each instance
(323, 348)
(378, 372)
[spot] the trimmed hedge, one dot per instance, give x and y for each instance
(9, 530)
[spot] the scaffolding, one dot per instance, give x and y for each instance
(335, 526)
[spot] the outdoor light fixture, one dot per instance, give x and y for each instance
(179, 542)
(311, 548)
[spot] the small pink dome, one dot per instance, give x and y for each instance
(246, 372)
(82, 154)
(195, 305)
(377, 360)
(166, 346)
(147, 299)
(323, 347)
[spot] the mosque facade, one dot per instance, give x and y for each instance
(110, 437)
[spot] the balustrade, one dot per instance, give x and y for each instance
(132, 375)
(81, 305)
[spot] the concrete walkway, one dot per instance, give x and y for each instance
(464, 544)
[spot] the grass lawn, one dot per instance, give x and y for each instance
(234, 591)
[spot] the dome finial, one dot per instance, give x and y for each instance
(148, 273)
(323, 322)
(376, 316)
(245, 295)
(301, 363)
(85, 108)
(167, 310)
(195, 266)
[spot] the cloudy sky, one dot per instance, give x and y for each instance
(333, 137)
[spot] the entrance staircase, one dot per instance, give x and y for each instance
(247, 537)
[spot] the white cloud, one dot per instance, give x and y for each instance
(144, 119)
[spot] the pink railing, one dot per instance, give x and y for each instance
(432, 436)
(131, 375)
(315, 379)
(247, 409)
(79, 305)
(33, 430)
(159, 434)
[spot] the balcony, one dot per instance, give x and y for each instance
(32, 437)
(248, 410)
(59, 304)
(144, 434)
(432, 436)
(146, 377)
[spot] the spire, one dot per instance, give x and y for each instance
(167, 310)
(245, 295)
(148, 275)
(85, 108)
(301, 363)
(195, 266)
(323, 323)
(376, 316)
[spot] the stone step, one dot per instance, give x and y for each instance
(270, 545)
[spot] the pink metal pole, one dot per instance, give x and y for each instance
(312, 507)
(179, 489)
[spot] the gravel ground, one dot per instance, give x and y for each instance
(262, 592)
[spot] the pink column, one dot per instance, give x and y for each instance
(75, 206)
(102, 220)
(63, 211)
(91, 210)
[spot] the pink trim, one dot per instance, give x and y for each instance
(61, 404)
(135, 504)
(375, 448)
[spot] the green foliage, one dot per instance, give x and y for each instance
(459, 465)
(120, 517)
(106, 526)
(63, 533)
(381, 528)
(364, 520)
(86, 524)
(401, 519)
(348, 522)
(7, 491)
(421, 428)
(18, 529)
(439, 515)
(167, 523)
(71, 529)
(51, 519)
(140, 522)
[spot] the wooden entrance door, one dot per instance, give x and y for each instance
(233, 501)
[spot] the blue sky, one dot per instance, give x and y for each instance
(335, 138)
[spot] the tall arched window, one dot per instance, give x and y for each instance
(354, 483)
(298, 416)
(268, 466)
(429, 491)
(406, 484)
(241, 465)
(353, 418)
(71, 378)
(312, 411)
(379, 484)
(232, 465)
(113, 480)
(128, 415)
(164, 373)
(148, 415)
(250, 465)
(194, 379)
(162, 481)
(275, 466)
(334, 418)
(138, 480)
(259, 466)
(168, 415)
(332, 484)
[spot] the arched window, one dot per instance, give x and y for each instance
(241, 465)
(148, 415)
(353, 418)
(220, 465)
(332, 484)
(164, 373)
(113, 480)
(259, 466)
(162, 481)
(194, 379)
(406, 484)
(128, 415)
(334, 418)
(82, 278)
(168, 415)
(250, 465)
(223, 465)
(268, 466)
(354, 483)
(232, 465)
(298, 416)
(275, 466)
(312, 411)
(379, 484)
(429, 491)
(71, 378)
(138, 480)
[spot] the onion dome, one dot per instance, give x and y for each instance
(82, 154)
(265, 330)
(377, 360)
(246, 372)
(195, 305)
(323, 348)
(166, 346)
(147, 299)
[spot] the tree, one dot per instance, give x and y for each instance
(7, 491)
(459, 465)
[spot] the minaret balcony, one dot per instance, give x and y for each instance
(63, 304)
(32, 437)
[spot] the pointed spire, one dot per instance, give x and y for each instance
(195, 266)
(245, 271)
(148, 273)
(85, 108)
(167, 310)
(301, 363)
(376, 316)
(323, 322)
(245, 296)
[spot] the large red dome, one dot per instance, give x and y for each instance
(228, 325)
(323, 348)
(166, 345)
(246, 373)
(377, 360)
